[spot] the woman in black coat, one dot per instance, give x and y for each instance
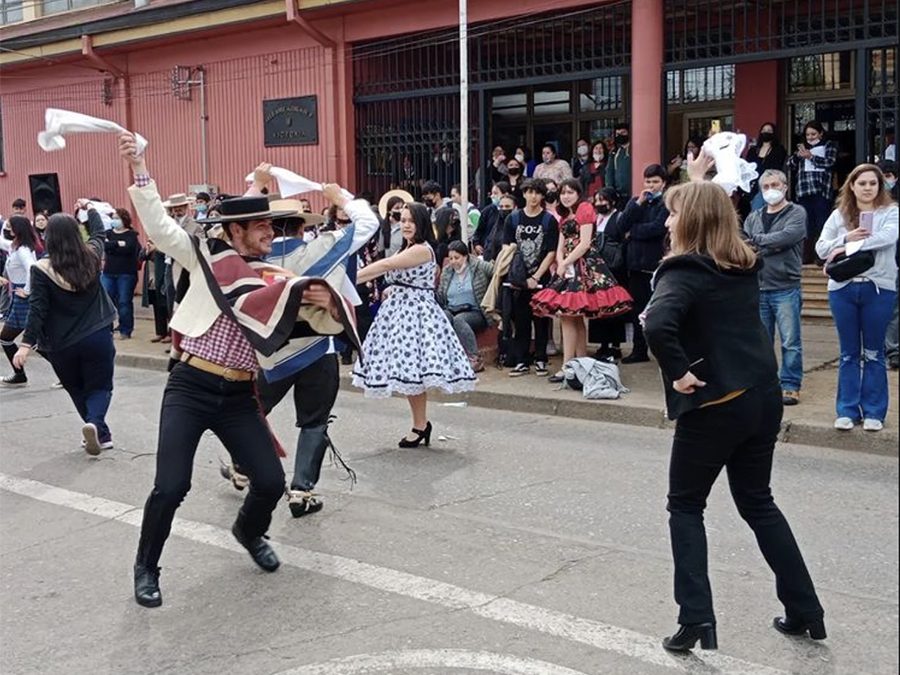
(722, 387)
(609, 333)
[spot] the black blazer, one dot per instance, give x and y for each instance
(700, 312)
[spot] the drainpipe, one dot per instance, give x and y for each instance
(332, 84)
(87, 50)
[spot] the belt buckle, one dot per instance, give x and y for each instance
(227, 375)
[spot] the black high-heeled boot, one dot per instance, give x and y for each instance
(422, 435)
(688, 635)
(789, 626)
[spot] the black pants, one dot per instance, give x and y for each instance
(522, 320)
(607, 331)
(639, 287)
(740, 436)
(193, 402)
(315, 391)
(159, 304)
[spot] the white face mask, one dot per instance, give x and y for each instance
(773, 197)
(520, 158)
(583, 151)
(309, 236)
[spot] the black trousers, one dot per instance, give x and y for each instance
(740, 436)
(639, 287)
(193, 402)
(523, 318)
(159, 303)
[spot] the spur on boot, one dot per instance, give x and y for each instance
(421, 436)
(789, 626)
(688, 635)
(231, 473)
(258, 548)
(303, 503)
(146, 586)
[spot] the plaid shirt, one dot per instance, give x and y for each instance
(224, 344)
(810, 183)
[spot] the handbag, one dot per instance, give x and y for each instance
(518, 271)
(844, 267)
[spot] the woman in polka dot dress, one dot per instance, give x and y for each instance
(411, 347)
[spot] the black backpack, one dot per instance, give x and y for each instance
(519, 274)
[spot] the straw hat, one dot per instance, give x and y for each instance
(385, 198)
(179, 199)
(294, 206)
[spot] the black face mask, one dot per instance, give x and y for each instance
(603, 209)
(505, 212)
(766, 137)
(552, 197)
(7, 234)
(514, 171)
(622, 139)
(428, 201)
(395, 216)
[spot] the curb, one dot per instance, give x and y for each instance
(799, 433)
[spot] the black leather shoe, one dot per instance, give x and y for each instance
(259, 549)
(146, 586)
(636, 358)
(688, 635)
(421, 436)
(789, 626)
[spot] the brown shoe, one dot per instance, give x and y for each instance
(790, 397)
(477, 363)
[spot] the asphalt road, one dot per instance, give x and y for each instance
(515, 544)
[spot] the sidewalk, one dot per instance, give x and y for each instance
(809, 423)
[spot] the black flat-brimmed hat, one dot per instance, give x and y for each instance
(241, 209)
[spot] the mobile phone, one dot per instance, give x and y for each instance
(865, 220)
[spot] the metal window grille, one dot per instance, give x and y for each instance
(820, 73)
(713, 30)
(882, 100)
(698, 85)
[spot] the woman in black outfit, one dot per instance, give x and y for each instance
(70, 317)
(721, 385)
(609, 333)
(120, 268)
(768, 153)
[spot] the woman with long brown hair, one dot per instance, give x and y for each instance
(721, 385)
(71, 318)
(865, 220)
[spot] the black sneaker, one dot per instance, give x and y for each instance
(519, 370)
(14, 380)
(303, 503)
(540, 369)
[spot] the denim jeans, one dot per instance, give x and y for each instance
(818, 208)
(739, 436)
(861, 313)
(120, 288)
(892, 338)
(781, 309)
(466, 325)
(85, 370)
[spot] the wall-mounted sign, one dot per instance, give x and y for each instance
(291, 121)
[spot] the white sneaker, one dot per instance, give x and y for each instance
(552, 349)
(843, 424)
(873, 425)
(519, 370)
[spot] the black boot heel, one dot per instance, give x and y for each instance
(422, 435)
(688, 636)
(789, 626)
(146, 586)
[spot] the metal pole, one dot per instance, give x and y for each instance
(464, 118)
(204, 149)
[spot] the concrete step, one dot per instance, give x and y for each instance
(815, 313)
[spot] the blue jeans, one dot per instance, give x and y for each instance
(861, 313)
(818, 208)
(120, 288)
(85, 370)
(782, 309)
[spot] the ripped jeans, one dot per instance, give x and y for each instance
(861, 313)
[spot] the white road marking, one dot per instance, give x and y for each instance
(386, 662)
(550, 622)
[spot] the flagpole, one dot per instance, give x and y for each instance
(464, 119)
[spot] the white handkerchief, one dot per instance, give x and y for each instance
(818, 151)
(290, 183)
(58, 123)
(731, 170)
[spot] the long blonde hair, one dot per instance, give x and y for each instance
(846, 201)
(708, 225)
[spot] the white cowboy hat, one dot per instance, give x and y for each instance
(179, 199)
(295, 207)
(382, 203)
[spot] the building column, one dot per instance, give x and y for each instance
(757, 98)
(647, 114)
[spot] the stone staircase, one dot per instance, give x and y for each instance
(815, 296)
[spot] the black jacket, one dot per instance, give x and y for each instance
(645, 225)
(699, 311)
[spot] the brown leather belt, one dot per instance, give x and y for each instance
(227, 374)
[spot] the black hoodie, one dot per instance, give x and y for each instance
(700, 311)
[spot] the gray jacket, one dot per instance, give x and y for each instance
(781, 247)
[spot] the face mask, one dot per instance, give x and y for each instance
(116, 223)
(308, 236)
(766, 137)
(622, 139)
(505, 212)
(520, 158)
(773, 197)
(395, 216)
(514, 171)
(201, 209)
(583, 151)
(495, 201)
(8, 235)
(428, 201)
(549, 160)
(597, 157)
(552, 197)
(813, 143)
(603, 209)
(889, 184)
(656, 195)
